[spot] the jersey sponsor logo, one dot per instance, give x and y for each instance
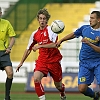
(82, 79)
(44, 41)
(93, 41)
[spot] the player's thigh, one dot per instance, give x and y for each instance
(85, 75)
(42, 67)
(55, 71)
(9, 71)
(38, 76)
(4, 60)
(82, 87)
(58, 84)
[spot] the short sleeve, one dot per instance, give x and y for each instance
(10, 31)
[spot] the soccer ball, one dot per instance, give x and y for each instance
(57, 26)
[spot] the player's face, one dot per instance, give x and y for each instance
(93, 21)
(42, 21)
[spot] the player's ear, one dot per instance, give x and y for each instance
(99, 20)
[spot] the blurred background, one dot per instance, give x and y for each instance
(22, 15)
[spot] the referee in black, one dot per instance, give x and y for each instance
(7, 40)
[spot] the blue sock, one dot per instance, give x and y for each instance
(89, 92)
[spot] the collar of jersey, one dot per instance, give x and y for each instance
(98, 29)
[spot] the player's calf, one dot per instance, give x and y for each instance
(97, 96)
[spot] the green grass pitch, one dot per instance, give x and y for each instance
(18, 93)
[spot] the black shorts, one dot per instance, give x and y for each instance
(4, 60)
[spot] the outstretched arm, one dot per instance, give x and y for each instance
(67, 37)
(25, 55)
(50, 45)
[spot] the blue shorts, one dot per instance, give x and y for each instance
(87, 71)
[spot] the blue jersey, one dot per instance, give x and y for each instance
(86, 52)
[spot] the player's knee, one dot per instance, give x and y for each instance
(10, 75)
(58, 86)
(36, 79)
(81, 89)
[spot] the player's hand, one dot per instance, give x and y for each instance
(58, 43)
(36, 47)
(84, 40)
(97, 38)
(8, 50)
(18, 67)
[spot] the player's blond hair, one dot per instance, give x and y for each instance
(44, 12)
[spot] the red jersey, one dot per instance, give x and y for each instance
(45, 36)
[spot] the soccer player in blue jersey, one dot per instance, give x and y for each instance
(89, 65)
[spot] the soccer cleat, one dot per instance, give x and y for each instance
(63, 98)
(97, 96)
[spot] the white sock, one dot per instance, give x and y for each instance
(42, 97)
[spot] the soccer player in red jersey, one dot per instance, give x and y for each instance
(49, 56)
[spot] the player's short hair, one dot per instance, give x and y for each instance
(97, 13)
(44, 12)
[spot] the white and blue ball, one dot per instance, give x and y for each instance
(57, 26)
